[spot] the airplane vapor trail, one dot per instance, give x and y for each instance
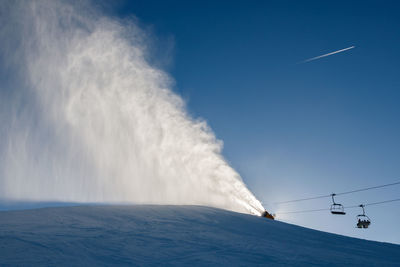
(329, 54)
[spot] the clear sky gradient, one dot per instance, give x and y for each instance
(292, 130)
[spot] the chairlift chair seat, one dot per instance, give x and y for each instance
(363, 221)
(338, 212)
(337, 209)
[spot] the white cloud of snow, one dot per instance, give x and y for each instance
(88, 119)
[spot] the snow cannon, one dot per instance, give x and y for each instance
(267, 215)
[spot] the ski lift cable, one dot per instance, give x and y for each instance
(338, 194)
(303, 199)
(301, 211)
(381, 202)
(367, 188)
(346, 207)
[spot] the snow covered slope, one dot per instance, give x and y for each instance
(174, 235)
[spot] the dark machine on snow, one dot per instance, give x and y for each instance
(267, 215)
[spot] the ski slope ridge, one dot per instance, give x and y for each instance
(150, 235)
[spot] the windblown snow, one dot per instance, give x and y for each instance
(87, 118)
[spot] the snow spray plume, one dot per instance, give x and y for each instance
(88, 119)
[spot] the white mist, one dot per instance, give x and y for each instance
(88, 119)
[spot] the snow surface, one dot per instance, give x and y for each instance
(149, 235)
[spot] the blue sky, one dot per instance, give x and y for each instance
(292, 130)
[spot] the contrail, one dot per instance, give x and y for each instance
(329, 54)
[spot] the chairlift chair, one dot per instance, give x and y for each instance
(336, 208)
(363, 221)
